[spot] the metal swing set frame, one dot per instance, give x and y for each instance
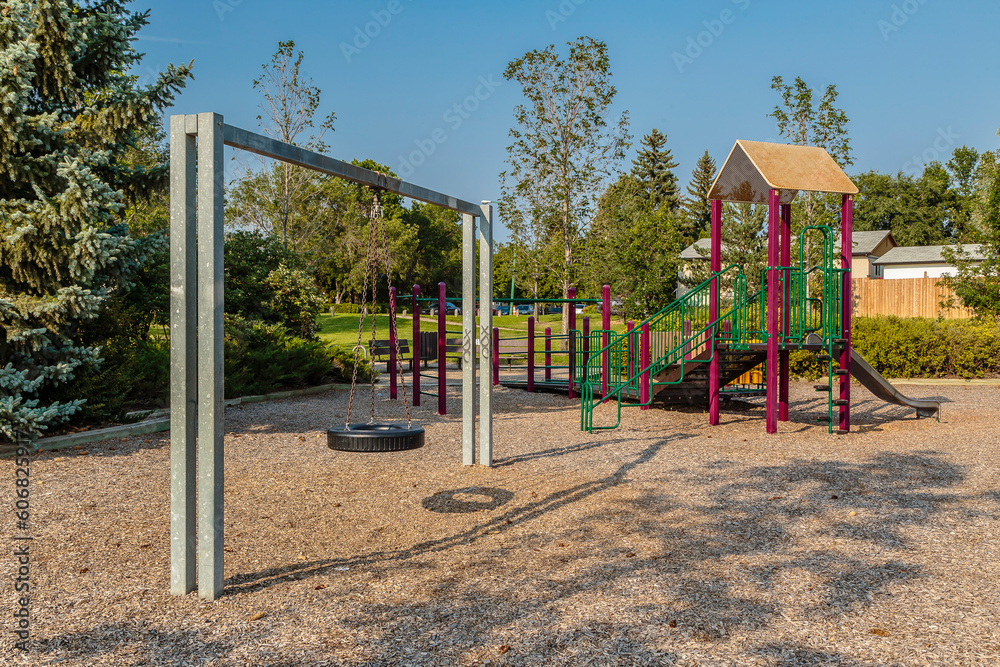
(197, 181)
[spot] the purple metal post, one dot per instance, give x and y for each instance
(846, 249)
(496, 356)
(773, 330)
(571, 293)
(586, 345)
(715, 265)
(644, 360)
(606, 326)
(786, 299)
(416, 346)
(531, 354)
(630, 361)
(548, 354)
(442, 361)
(392, 345)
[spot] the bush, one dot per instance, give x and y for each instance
(296, 301)
(134, 375)
(267, 281)
(916, 347)
(355, 309)
(920, 347)
(262, 357)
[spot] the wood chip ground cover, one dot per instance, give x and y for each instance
(665, 542)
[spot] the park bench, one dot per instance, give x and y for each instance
(379, 350)
(509, 350)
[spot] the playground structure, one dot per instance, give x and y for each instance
(803, 305)
(197, 178)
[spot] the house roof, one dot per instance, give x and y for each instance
(866, 242)
(929, 254)
(691, 252)
(755, 167)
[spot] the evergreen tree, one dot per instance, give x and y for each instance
(652, 168)
(697, 207)
(744, 243)
(70, 111)
(633, 247)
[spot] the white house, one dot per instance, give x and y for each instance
(921, 261)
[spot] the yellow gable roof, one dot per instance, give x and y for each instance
(755, 167)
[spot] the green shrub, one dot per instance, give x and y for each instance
(355, 309)
(920, 347)
(134, 375)
(261, 357)
(295, 300)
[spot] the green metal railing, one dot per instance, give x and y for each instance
(810, 298)
(681, 329)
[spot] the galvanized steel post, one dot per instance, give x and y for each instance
(183, 353)
(485, 341)
(469, 339)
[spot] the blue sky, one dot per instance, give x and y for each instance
(916, 77)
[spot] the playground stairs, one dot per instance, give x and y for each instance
(686, 383)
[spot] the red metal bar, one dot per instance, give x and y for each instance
(442, 360)
(496, 356)
(548, 354)
(531, 354)
(773, 330)
(416, 346)
(586, 342)
(846, 250)
(715, 265)
(644, 360)
(392, 346)
(606, 326)
(571, 293)
(786, 297)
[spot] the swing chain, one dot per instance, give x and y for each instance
(361, 325)
(392, 313)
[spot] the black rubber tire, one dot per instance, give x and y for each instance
(375, 438)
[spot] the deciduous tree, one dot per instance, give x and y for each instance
(563, 149)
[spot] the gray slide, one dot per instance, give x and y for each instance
(873, 381)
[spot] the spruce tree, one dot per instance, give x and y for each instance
(652, 168)
(697, 207)
(70, 111)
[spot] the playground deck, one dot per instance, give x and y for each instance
(665, 542)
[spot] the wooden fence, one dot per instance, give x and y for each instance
(905, 297)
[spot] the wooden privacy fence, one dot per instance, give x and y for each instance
(905, 297)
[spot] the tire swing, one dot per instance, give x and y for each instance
(374, 436)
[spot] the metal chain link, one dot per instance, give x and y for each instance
(392, 318)
(361, 322)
